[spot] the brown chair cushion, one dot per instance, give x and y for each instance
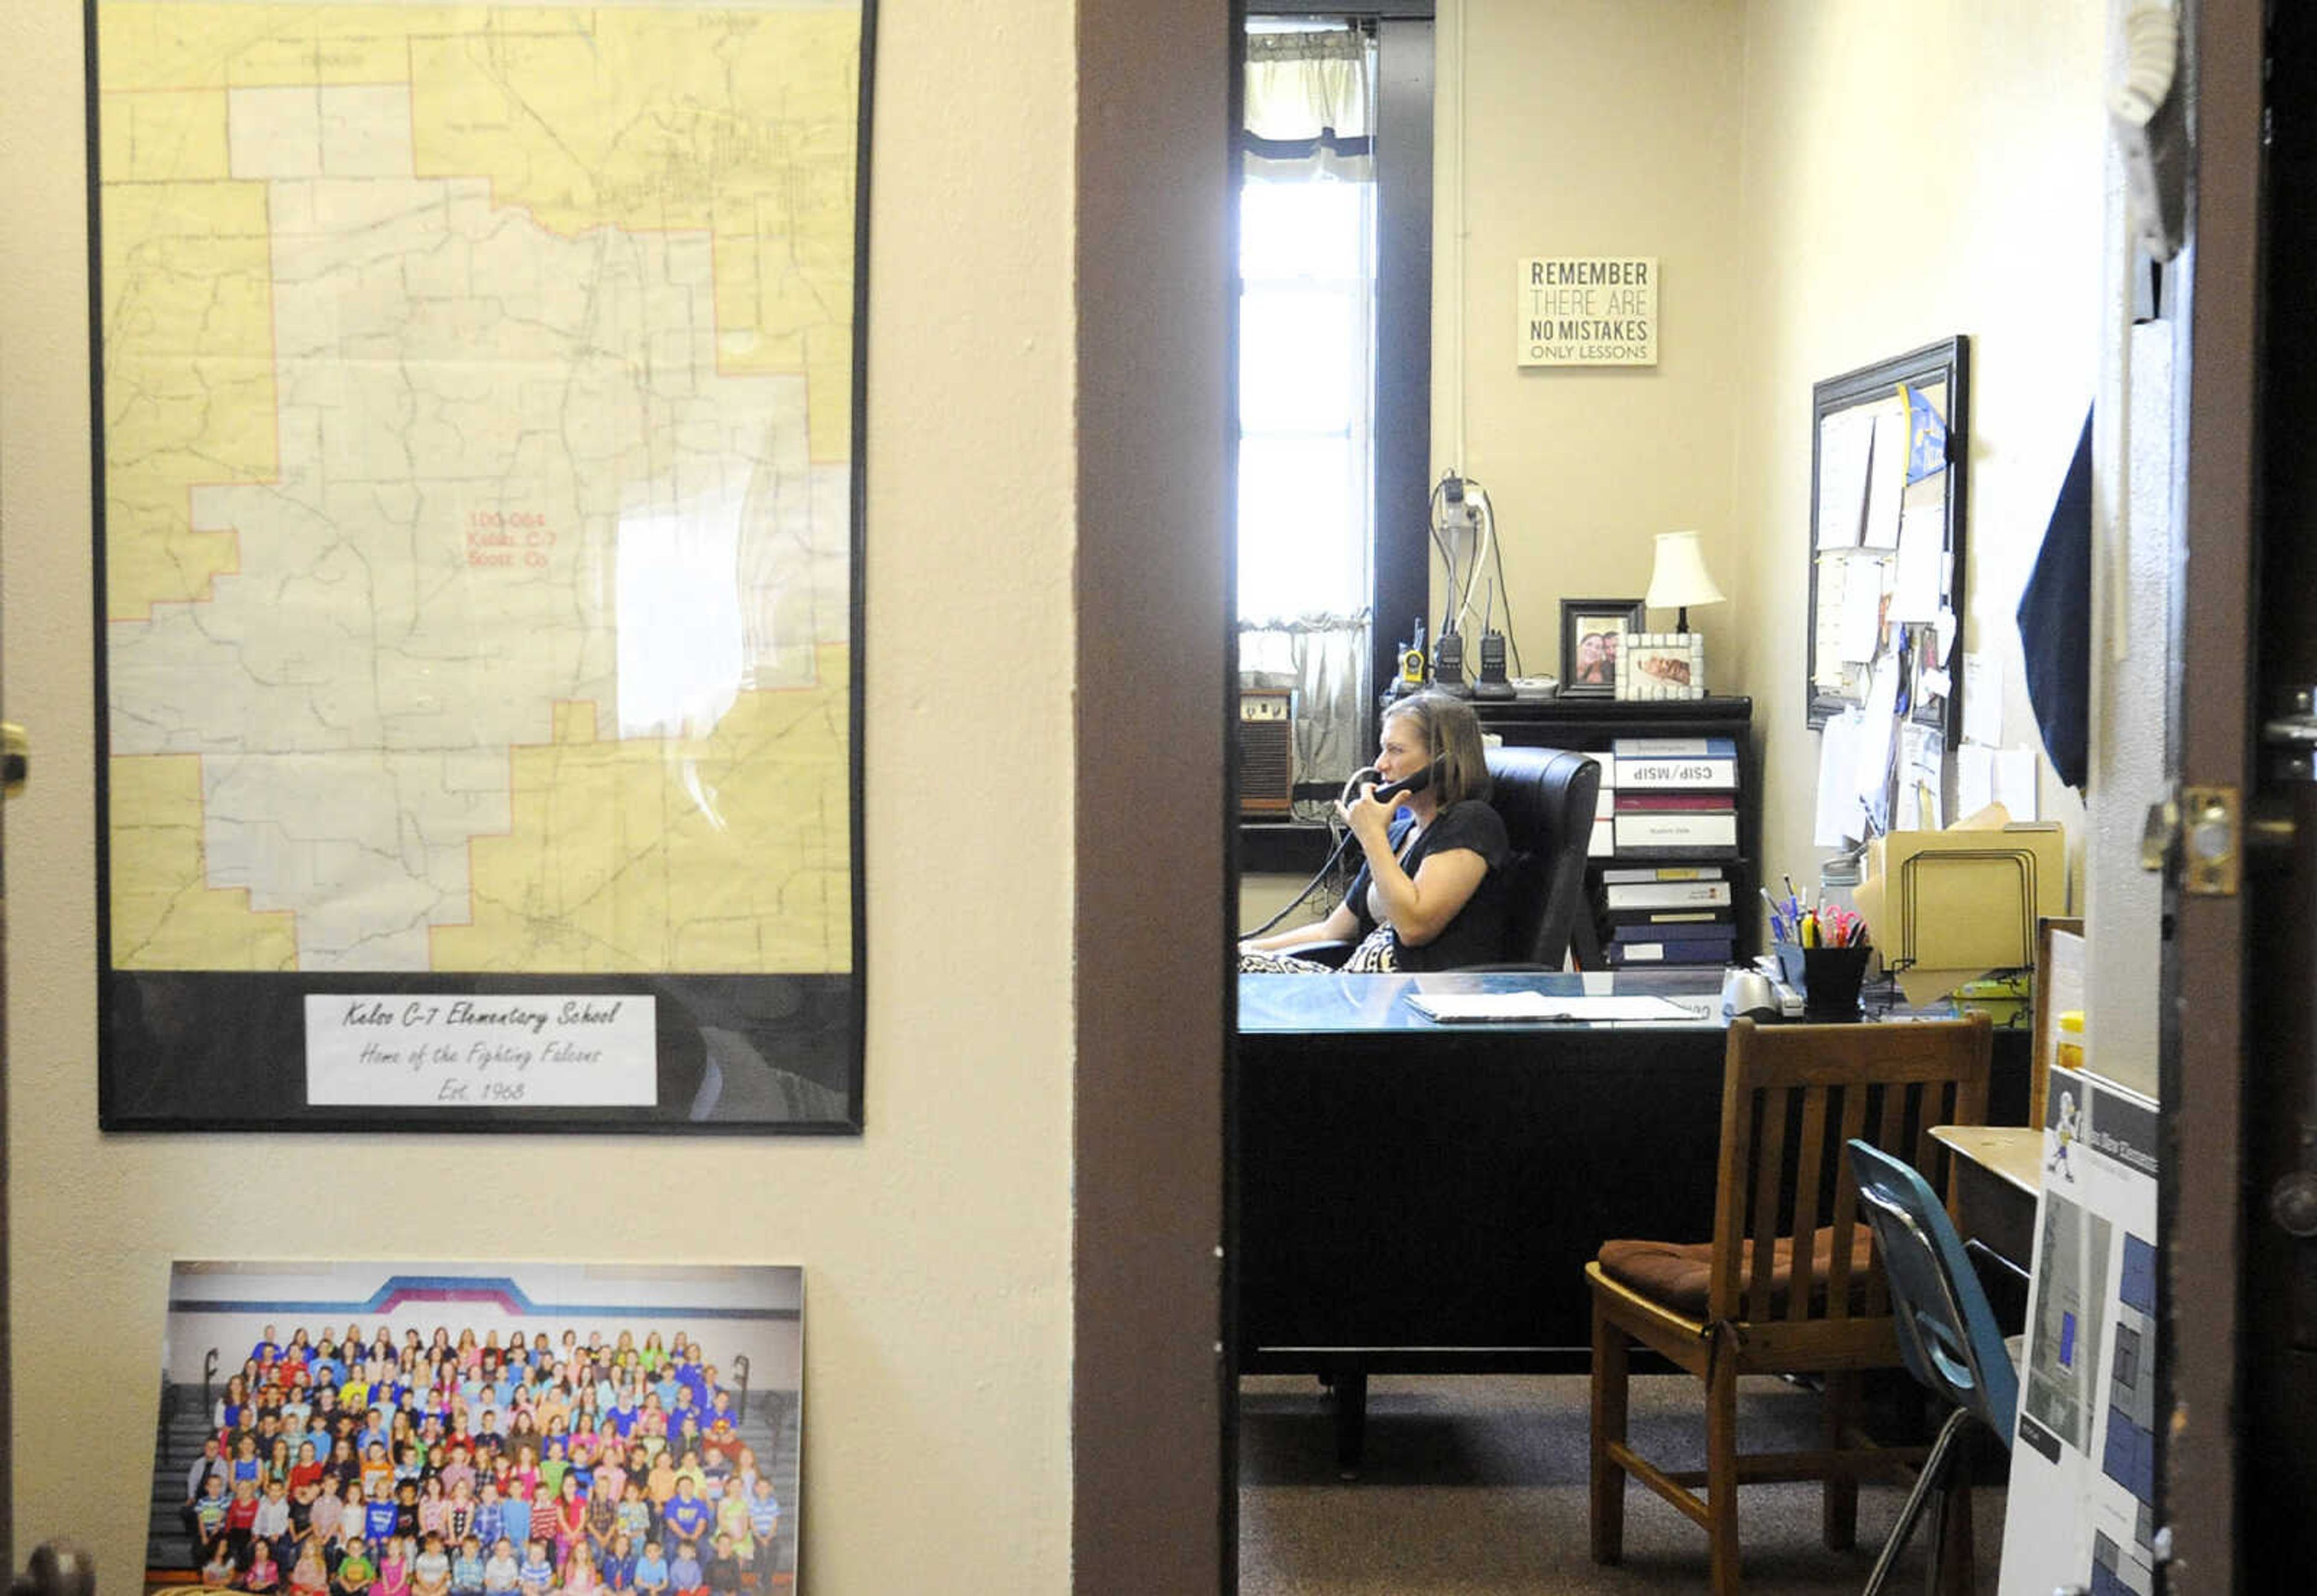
(1675, 1275)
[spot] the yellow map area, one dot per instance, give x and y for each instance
(165, 914)
(623, 825)
(723, 850)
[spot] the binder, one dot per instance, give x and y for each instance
(1648, 831)
(1667, 894)
(1694, 763)
(1631, 873)
(1669, 953)
(1659, 919)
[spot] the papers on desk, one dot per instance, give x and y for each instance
(1516, 1008)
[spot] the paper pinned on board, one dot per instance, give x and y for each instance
(2001, 776)
(1974, 777)
(2014, 781)
(1833, 573)
(1922, 779)
(1840, 820)
(1915, 593)
(1886, 479)
(1871, 776)
(1845, 440)
(1982, 698)
(1859, 636)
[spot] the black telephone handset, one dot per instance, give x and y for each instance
(1385, 794)
(1405, 785)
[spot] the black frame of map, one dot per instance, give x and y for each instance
(227, 1050)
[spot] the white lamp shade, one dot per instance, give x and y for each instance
(1679, 579)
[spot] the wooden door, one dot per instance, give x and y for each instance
(2277, 1461)
(2209, 1014)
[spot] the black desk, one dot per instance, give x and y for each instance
(1411, 1197)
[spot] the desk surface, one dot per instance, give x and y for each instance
(2013, 1151)
(1336, 1003)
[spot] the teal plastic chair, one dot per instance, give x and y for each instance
(1947, 1333)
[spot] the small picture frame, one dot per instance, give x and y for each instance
(1661, 664)
(1593, 632)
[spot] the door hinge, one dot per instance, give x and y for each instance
(15, 759)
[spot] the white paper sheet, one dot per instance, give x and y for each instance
(1833, 576)
(1844, 441)
(1859, 635)
(1886, 479)
(1915, 586)
(2014, 781)
(1871, 777)
(1922, 779)
(1839, 817)
(1974, 777)
(1503, 1007)
(1982, 699)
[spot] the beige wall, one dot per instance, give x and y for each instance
(1591, 127)
(1905, 181)
(938, 1285)
(1824, 186)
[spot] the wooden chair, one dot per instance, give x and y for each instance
(1751, 1301)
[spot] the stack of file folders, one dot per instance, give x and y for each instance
(1669, 898)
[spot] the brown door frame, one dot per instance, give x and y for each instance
(2200, 1207)
(1149, 1400)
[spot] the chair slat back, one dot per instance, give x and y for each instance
(1791, 1095)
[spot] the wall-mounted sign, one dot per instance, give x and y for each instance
(1587, 311)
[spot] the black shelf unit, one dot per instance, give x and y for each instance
(1591, 725)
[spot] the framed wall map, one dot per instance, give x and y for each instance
(1889, 472)
(479, 401)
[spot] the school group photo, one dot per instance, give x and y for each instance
(491, 1452)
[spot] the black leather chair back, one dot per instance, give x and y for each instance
(1546, 798)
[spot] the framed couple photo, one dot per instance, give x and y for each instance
(1593, 632)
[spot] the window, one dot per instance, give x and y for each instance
(1333, 373)
(1306, 328)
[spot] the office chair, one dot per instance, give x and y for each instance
(1947, 1332)
(1546, 798)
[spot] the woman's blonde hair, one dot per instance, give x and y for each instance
(1452, 734)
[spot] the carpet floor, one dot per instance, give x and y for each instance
(1476, 1485)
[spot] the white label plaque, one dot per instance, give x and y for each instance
(394, 1050)
(1587, 311)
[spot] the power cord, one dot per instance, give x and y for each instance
(1344, 838)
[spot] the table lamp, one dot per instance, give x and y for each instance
(1670, 664)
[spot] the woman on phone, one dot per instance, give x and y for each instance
(1430, 894)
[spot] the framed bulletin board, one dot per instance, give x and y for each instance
(1890, 445)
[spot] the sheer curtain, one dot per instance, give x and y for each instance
(1307, 365)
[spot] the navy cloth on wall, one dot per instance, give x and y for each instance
(2055, 621)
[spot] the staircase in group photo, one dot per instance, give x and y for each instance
(769, 1426)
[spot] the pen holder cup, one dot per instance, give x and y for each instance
(1831, 980)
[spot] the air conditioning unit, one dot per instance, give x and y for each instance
(1266, 753)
